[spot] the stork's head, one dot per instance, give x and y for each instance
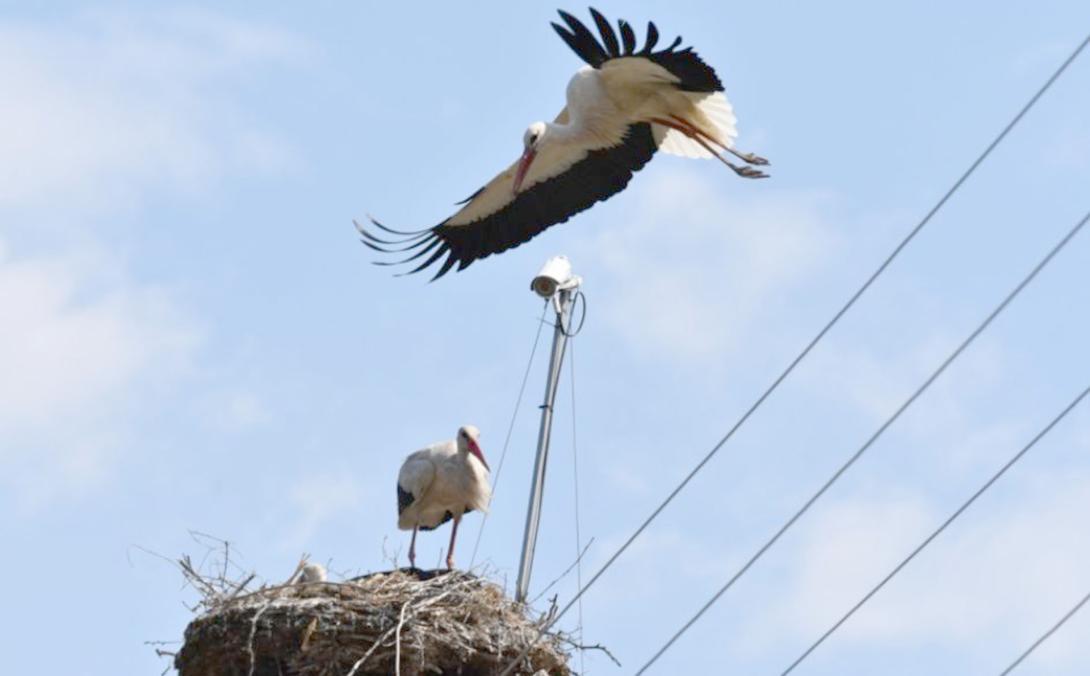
(468, 437)
(531, 141)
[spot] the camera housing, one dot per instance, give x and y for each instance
(556, 274)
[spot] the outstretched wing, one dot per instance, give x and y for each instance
(692, 73)
(562, 181)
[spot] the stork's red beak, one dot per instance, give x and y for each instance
(524, 166)
(476, 450)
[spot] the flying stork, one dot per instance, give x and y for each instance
(621, 107)
(440, 483)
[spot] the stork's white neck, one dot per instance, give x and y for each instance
(572, 132)
(587, 104)
(586, 98)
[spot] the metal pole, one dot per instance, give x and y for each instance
(537, 486)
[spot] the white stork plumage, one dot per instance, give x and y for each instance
(440, 483)
(621, 108)
(309, 572)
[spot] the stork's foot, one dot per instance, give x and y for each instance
(748, 172)
(450, 563)
(749, 158)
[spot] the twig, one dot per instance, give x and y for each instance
(307, 633)
(294, 577)
(390, 556)
(253, 635)
(596, 646)
(397, 640)
(203, 586)
(547, 617)
(241, 585)
(386, 635)
(564, 574)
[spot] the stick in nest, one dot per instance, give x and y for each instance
(253, 635)
(397, 640)
(415, 609)
(564, 574)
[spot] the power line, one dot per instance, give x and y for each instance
(810, 346)
(511, 427)
(1048, 633)
(874, 437)
(927, 541)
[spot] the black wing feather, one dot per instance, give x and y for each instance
(404, 499)
(602, 173)
(693, 74)
(446, 517)
(652, 37)
(628, 36)
(582, 41)
(609, 38)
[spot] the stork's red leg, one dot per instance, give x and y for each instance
(695, 134)
(450, 549)
(412, 550)
(750, 158)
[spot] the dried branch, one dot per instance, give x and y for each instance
(397, 640)
(381, 623)
(253, 635)
(564, 574)
(596, 646)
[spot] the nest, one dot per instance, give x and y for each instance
(399, 622)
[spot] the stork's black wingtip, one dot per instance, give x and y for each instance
(374, 247)
(568, 18)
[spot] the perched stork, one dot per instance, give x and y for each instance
(621, 107)
(440, 483)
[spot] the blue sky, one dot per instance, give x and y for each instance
(193, 338)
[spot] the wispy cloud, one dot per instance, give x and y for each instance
(79, 343)
(317, 499)
(103, 113)
(109, 106)
(707, 265)
(1006, 570)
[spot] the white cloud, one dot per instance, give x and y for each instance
(102, 113)
(317, 499)
(708, 266)
(78, 344)
(1005, 571)
(877, 378)
(99, 111)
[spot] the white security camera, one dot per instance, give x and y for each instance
(555, 275)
